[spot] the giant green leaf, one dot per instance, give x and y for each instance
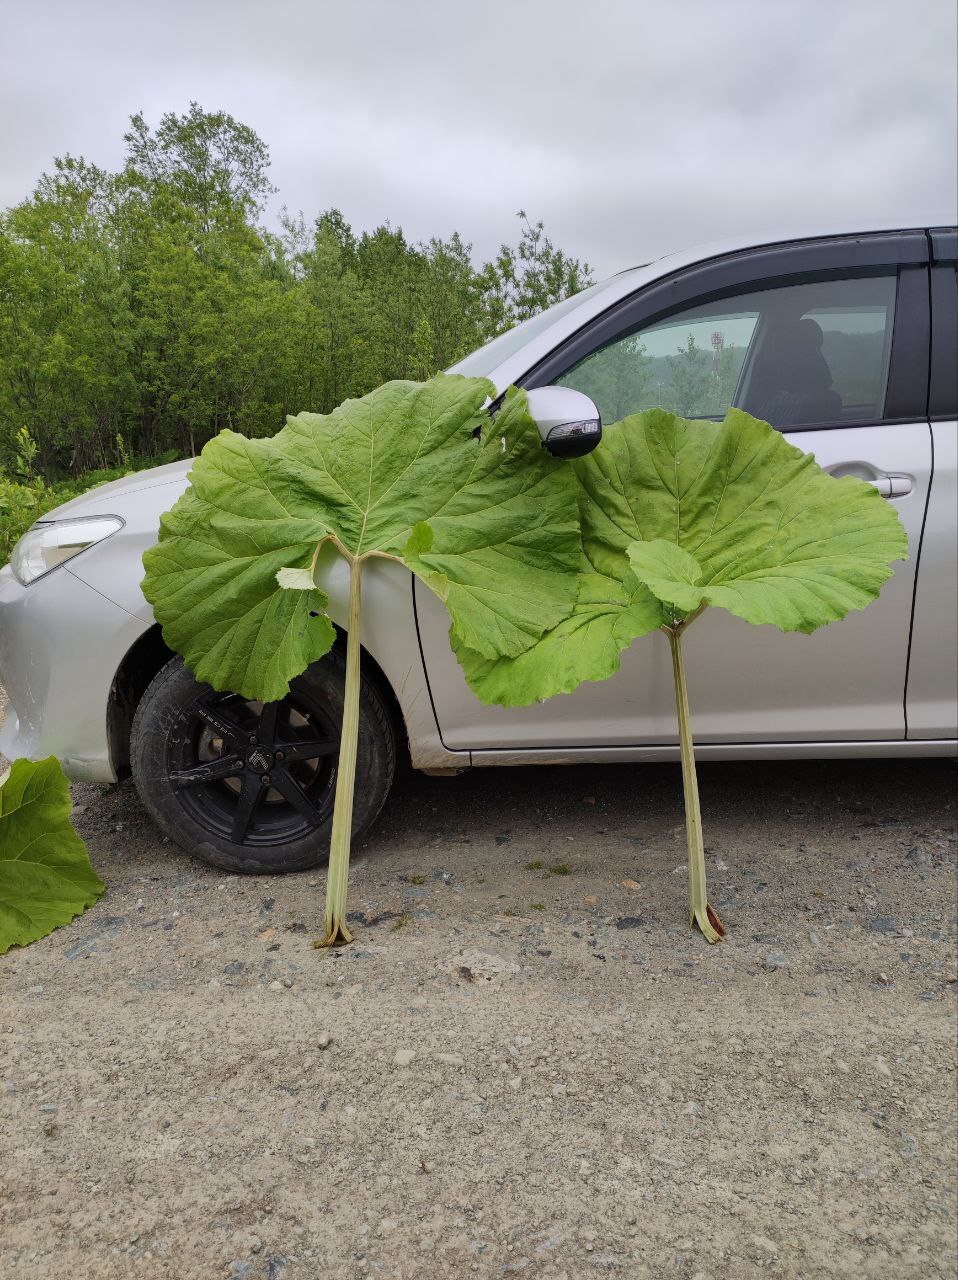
(733, 515)
(676, 515)
(609, 614)
(45, 874)
(417, 472)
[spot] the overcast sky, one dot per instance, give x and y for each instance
(630, 128)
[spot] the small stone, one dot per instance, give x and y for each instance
(276, 985)
(324, 1040)
(630, 884)
(881, 924)
(451, 1059)
(775, 961)
(287, 982)
(763, 1242)
(515, 1082)
(590, 901)
(882, 1067)
(404, 1057)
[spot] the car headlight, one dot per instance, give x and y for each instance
(45, 546)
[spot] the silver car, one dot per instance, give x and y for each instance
(846, 342)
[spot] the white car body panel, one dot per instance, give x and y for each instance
(58, 631)
(933, 663)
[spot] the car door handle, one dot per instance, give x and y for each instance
(892, 486)
(889, 484)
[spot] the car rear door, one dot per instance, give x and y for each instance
(829, 340)
(932, 699)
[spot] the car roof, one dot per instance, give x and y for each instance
(544, 338)
(767, 237)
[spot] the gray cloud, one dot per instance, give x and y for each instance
(630, 128)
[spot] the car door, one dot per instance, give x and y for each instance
(932, 699)
(829, 341)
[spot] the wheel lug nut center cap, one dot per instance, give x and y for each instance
(260, 760)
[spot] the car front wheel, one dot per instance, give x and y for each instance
(249, 786)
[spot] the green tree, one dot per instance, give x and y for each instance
(149, 306)
(522, 281)
(690, 379)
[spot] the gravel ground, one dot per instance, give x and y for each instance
(525, 1064)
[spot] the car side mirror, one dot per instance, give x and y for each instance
(568, 421)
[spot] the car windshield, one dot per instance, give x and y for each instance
(482, 362)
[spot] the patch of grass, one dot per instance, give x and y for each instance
(537, 906)
(560, 869)
(509, 911)
(416, 879)
(535, 866)
(480, 879)
(404, 920)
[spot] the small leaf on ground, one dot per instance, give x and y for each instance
(45, 874)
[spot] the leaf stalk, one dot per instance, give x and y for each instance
(703, 916)
(337, 880)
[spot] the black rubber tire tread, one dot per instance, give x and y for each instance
(174, 685)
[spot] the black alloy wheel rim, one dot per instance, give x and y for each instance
(256, 774)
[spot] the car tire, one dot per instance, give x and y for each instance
(249, 787)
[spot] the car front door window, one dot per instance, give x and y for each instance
(797, 354)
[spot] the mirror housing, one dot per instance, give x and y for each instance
(568, 421)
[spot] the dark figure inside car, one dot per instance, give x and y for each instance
(792, 383)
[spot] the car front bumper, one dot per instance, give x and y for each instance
(61, 643)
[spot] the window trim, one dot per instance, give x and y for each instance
(907, 390)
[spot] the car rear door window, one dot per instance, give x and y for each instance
(795, 354)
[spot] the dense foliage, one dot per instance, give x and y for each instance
(145, 310)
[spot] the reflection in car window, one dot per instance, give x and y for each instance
(794, 355)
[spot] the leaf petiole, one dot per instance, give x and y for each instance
(337, 880)
(702, 915)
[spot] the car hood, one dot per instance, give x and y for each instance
(115, 492)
